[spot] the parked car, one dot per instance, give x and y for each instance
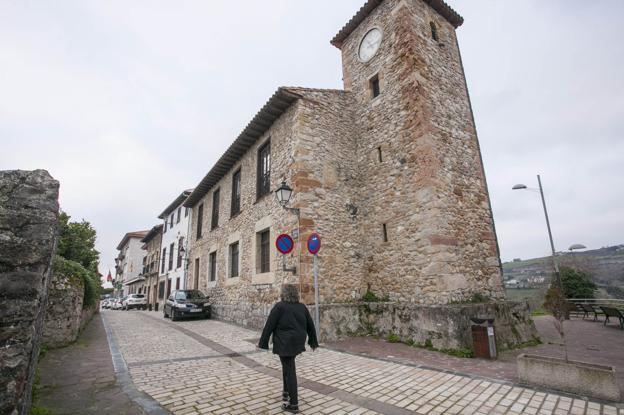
(117, 303)
(135, 301)
(105, 303)
(186, 303)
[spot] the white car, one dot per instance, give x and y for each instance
(116, 304)
(135, 301)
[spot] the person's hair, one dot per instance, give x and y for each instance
(290, 293)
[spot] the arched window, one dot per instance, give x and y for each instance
(434, 31)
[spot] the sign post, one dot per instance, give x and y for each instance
(285, 244)
(314, 245)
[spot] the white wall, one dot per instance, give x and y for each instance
(172, 236)
(133, 261)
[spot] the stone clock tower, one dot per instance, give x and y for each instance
(426, 219)
(387, 170)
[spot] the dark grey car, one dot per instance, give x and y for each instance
(186, 303)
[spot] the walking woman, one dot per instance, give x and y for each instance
(289, 322)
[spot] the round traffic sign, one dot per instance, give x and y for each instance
(314, 243)
(284, 243)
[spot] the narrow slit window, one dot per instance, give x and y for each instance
(213, 266)
(379, 154)
(200, 220)
(263, 185)
(385, 233)
(374, 86)
(196, 274)
(234, 252)
(215, 209)
(434, 31)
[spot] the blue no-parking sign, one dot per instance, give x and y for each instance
(314, 243)
(284, 243)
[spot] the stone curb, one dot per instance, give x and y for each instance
(146, 402)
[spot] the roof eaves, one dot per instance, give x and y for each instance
(279, 102)
(127, 236)
(181, 198)
(440, 6)
(152, 233)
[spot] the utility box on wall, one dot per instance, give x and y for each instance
(483, 338)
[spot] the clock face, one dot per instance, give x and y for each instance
(369, 44)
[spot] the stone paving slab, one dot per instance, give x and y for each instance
(153, 345)
(231, 377)
(80, 380)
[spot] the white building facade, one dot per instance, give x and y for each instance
(174, 247)
(129, 263)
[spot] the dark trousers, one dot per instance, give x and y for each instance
(289, 375)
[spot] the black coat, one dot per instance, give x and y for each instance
(289, 323)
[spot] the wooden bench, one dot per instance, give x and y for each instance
(613, 312)
(589, 308)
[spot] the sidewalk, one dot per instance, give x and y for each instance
(586, 340)
(80, 379)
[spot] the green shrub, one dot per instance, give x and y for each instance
(76, 272)
(393, 338)
(370, 297)
(576, 283)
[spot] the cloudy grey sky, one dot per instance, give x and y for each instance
(129, 102)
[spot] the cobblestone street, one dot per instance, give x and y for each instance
(210, 367)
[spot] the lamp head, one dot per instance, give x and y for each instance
(283, 194)
(519, 187)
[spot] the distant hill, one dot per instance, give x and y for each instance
(605, 265)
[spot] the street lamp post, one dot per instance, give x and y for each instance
(283, 194)
(552, 245)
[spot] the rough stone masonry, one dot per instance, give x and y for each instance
(28, 232)
(388, 171)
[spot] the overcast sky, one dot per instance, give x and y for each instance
(127, 103)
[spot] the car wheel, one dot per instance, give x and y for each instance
(174, 315)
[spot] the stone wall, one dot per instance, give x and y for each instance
(255, 215)
(64, 311)
(394, 184)
(28, 232)
(87, 314)
(419, 157)
(444, 326)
